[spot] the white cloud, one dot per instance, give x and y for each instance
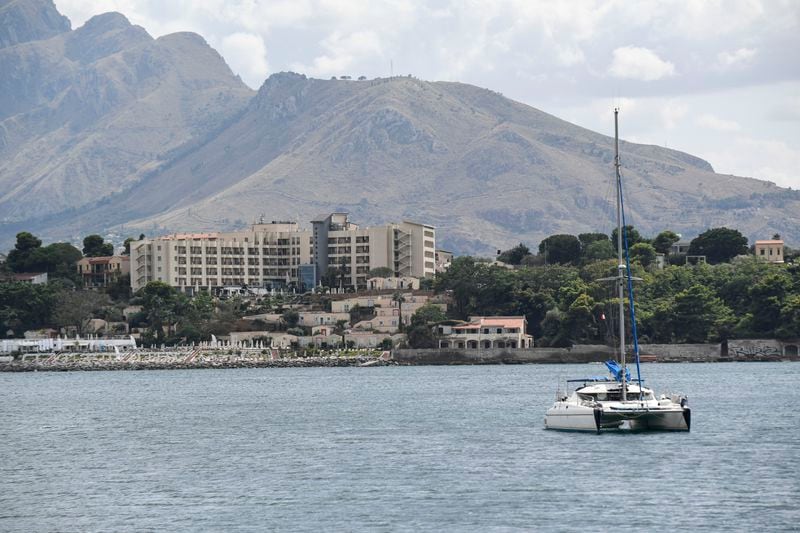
(787, 110)
(343, 52)
(246, 54)
(707, 120)
(633, 62)
(763, 159)
(672, 112)
(569, 55)
(736, 59)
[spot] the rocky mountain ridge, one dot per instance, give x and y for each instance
(86, 113)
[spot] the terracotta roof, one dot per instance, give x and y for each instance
(494, 321)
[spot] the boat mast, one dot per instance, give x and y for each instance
(620, 263)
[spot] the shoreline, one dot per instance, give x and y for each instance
(99, 365)
(91, 365)
(190, 357)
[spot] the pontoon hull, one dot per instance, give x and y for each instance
(584, 418)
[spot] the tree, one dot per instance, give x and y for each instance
(462, 278)
(398, 298)
(534, 305)
(421, 332)
(19, 257)
(598, 251)
(579, 323)
(561, 248)
(93, 246)
(630, 232)
(664, 241)
(427, 315)
(74, 308)
(381, 272)
(25, 306)
(767, 297)
(291, 318)
(642, 252)
(514, 255)
(422, 337)
(790, 319)
(120, 288)
(699, 315)
(589, 238)
(334, 276)
(163, 306)
(719, 245)
(127, 245)
(57, 259)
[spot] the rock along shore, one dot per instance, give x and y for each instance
(90, 364)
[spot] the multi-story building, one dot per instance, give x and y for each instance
(266, 255)
(280, 254)
(101, 271)
(407, 248)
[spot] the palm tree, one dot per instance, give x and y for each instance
(399, 299)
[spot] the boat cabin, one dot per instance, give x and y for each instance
(613, 393)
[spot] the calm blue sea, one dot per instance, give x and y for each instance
(390, 449)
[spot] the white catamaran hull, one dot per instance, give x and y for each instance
(585, 418)
(576, 418)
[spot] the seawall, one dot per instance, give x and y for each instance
(734, 350)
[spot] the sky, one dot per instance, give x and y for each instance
(719, 79)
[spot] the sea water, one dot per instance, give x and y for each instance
(458, 448)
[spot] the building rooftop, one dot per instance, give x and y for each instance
(104, 259)
(770, 241)
(494, 321)
(179, 236)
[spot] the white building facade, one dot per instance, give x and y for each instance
(271, 255)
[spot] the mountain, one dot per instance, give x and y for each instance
(109, 129)
(86, 113)
(22, 21)
(487, 171)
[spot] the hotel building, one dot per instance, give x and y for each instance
(281, 254)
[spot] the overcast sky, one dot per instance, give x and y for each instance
(716, 78)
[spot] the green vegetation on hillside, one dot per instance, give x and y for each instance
(565, 302)
(562, 295)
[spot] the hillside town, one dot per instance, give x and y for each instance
(335, 285)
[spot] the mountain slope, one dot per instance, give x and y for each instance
(87, 113)
(489, 172)
(22, 21)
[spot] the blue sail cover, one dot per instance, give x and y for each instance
(616, 370)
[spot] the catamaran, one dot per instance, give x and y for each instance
(616, 402)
